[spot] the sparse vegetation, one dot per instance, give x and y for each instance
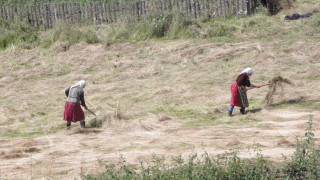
(68, 35)
(304, 164)
(168, 25)
(228, 166)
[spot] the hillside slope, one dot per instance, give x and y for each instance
(157, 97)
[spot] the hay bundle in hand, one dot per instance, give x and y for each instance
(275, 84)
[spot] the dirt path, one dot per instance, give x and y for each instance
(68, 154)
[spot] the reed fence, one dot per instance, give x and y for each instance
(47, 15)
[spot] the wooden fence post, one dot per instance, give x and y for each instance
(55, 13)
(34, 9)
(9, 13)
(86, 13)
(68, 13)
(95, 11)
(207, 8)
(103, 11)
(3, 15)
(232, 7)
(190, 6)
(63, 12)
(50, 16)
(71, 12)
(28, 15)
(15, 13)
(165, 5)
(141, 8)
(198, 5)
(137, 9)
(248, 7)
(144, 4)
(40, 16)
(59, 14)
(116, 9)
(106, 6)
(78, 12)
(109, 12)
(194, 8)
(33, 17)
(1, 12)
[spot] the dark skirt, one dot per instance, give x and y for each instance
(243, 97)
(73, 112)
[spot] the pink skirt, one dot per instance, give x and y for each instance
(73, 112)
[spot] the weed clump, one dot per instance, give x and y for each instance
(169, 25)
(69, 35)
(305, 163)
(95, 123)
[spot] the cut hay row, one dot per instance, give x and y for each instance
(275, 84)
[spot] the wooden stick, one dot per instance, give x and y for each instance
(260, 86)
(91, 112)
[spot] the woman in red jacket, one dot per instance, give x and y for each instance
(239, 91)
(72, 109)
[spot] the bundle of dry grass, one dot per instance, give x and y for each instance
(98, 120)
(275, 84)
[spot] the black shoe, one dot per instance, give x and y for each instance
(229, 113)
(68, 125)
(83, 124)
(242, 111)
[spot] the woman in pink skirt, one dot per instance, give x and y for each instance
(239, 91)
(72, 109)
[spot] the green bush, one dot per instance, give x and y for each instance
(90, 37)
(18, 33)
(222, 27)
(170, 25)
(217, 31)
(227, 167)
(304, 164)
(161, 25)
(66, 33)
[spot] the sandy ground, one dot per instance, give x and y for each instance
(70, 153)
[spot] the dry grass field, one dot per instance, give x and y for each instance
(158, 97)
